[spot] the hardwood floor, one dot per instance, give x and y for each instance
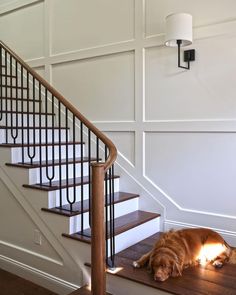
(13, 285)
(195, 280)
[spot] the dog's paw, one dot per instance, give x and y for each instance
(136, 264)
(217, 264)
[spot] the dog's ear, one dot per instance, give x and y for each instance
(176, 269)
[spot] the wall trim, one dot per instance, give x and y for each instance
(29, 252)
(16, 4)
(229, 236)
(37, 276)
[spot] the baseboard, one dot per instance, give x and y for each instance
(229, 236)
(37, 276)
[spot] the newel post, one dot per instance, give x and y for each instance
(98, 275)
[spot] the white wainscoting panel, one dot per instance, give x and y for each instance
(91, 23)
(101, 87)
(196, 169)
(206, 92)
(125, 143)
(23, 30)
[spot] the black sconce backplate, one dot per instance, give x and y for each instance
(189, 55)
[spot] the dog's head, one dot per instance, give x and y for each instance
(164, 265)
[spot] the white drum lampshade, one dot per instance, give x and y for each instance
(178, 27)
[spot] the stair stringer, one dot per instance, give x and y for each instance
(69, 269)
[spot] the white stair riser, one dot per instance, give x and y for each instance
(49, 132)
(8, 92)
(34, 174)
(135, 235)
(34, 120)
(17, 153)
(54, 196)
(120, 209)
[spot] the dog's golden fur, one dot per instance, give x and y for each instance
(176, 250)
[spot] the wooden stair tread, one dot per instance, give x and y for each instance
(122, 224)
(8, 76)
(195, 280)
(65, 210)
(32, 127)
(55, 185)
(37, 164)
(17, 145)
(27, 113)
(13, 86)
(20, 99)
(83, 291)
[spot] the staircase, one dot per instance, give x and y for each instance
(54, 146)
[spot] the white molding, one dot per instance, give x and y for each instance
(30, 252)
(16, 4)
(37, 276)
(229, 236)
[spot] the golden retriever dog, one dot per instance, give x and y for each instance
(177, 250)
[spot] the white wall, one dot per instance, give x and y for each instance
(175, 129)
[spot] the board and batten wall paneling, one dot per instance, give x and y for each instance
(107, 57)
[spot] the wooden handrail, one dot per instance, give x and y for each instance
(98, 175)
(111, 147)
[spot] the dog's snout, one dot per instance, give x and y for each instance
(158, 277)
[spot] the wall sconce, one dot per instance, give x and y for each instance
(179, 34)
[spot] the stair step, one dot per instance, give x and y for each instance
(65, 210)
(122, 224)
(84, 291)
(18, 145)
(194, 281)
(56, 162)
(55, 185)
(8, 76)
(31, 127)
(20, 99)
(27, 113)
(15, 87)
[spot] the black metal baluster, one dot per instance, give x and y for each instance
(51, 177)
(59, 150)
(40, 135)
(74, 165)
(82, 176)
(6, 97)
(1, 94)
(22, 116)
(89, 174)
(31, 149)
(106, 209)
(67, 156)
(113, 217)
(97, 148)
(14, 136)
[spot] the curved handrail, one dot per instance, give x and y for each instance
(111, 147)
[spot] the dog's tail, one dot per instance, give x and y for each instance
(232, 257)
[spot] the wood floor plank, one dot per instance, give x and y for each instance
(11, 284)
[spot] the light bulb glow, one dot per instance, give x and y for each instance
(209, 252)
